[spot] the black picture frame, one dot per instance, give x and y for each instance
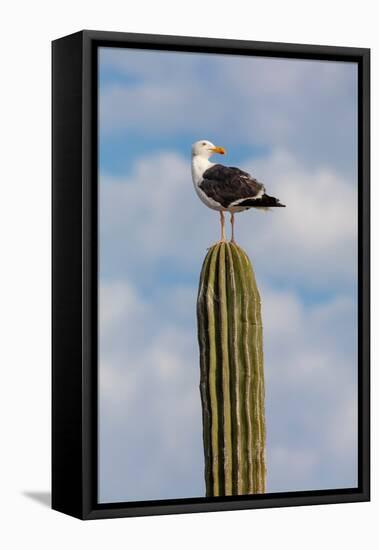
(74, 272)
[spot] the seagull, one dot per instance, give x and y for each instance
(226, 188)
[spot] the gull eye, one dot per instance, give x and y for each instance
(203, 143)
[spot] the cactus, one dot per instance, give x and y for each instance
(231, 373)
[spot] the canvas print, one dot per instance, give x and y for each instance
(227, 219)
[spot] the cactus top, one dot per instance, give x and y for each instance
(223, 187)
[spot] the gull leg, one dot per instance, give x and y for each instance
(232, 224)
(222, 220)
(223, 236)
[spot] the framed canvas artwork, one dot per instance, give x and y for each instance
(210, 274)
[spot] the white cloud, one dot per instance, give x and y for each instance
(150, 428)
(314, 237)
(311, 398)
(308, 107)
(150, 413)
(154, 216)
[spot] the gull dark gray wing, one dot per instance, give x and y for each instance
(230, 186)
(227, 185)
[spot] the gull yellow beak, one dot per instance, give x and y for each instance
(219, 150)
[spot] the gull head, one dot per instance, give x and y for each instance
(206, 149)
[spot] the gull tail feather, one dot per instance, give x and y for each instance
(264, 202)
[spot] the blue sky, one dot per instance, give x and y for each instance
(293, 125)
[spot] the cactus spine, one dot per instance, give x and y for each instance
(232, 378)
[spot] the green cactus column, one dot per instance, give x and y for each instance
(232, 377)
